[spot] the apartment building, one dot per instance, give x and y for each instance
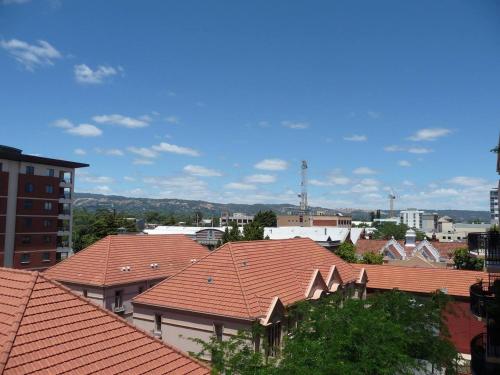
(241, 284)
(47, 329)
(306, 220)
(239, 218)
(412, 217)
(119, 267)
(36, 195)
(494, 206)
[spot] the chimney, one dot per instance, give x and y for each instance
(410, 238)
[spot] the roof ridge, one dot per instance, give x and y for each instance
(120, 319)
(12, 333)
(106, 261)
(239, 280)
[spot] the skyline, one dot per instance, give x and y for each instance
(221, 102)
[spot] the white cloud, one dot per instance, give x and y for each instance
(272, 165)
(419, 150)
(369, 182)
(239, 186)
(404, 163)
(467, 181)
(86, 75)
(408, 183)
(364, 171)
(198, 170)
(8, 2)
(174, 149)
(111, 151)
(373, 114)
(143, 151)
(63, 123)
(356, 138)
(429, 134)
(80, 151)
(128, 178)
(172, 119)
(361, 188)
(125, 121)
(92, 179)
(85, 130)
(31, 56)
(260, 179)
(393, 148)
(142, 162)
(295, 125)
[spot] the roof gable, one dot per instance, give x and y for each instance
(56, 331)
(120, 259)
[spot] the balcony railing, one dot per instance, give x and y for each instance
(485, 355)
(481, 296)
(488, 244)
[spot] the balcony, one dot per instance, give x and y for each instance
(485, 355)
(482, 294)
(487, 245)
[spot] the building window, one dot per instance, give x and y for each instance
(50, 172)
(28, 222)
(25, 258)
(273, 339)
(84, 292)
(47, 206)
(28, 204)
(29, 188)
(47, 223)
(49, 189)
(157, 322)
(30, 169)
(118, 299)
(25, 240)
(140, 290)
(218, 331)
(47, 239)
(46, 256)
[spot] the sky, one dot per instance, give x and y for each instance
(221, 100)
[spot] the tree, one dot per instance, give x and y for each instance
(389, 333)
(372, 258)
(387, 230)
(253, 231)
(465, 261)
(347, 251)
(232, 235)
(265, 218)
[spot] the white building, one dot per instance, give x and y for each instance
(412, 217)
(238, 218)
(494, 206)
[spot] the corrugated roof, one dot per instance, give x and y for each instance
(174, 229)
(318, 234)
(46, 329)
(421, 280)
(236, 278)
(101, 263)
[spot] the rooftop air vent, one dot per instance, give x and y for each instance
(193, 260)
(210, 280)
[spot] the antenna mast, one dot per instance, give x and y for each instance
(303, 184)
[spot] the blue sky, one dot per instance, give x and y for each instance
(221, 101)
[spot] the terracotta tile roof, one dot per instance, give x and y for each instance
(101, 263)
(238, 279)
(366, 246)
(446, 249)
(46, 329)
(421, 280)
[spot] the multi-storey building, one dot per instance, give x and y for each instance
(310, 220)
(494, 206)
(412, 217)
(240, 219)
(35, 209)
(430, 222)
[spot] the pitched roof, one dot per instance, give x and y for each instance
(366, 246)
(421, 280)
(445, 249)
(45, 328)
(101, 264)
(318, 234)
(240, 279)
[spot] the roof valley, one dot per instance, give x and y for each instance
(239, 280)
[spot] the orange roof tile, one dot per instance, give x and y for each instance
(421, 280)
(45, 328)
(239, 277)
(101, 264)
(369, 246)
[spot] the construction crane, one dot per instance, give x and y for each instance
(303, 185)
(392, 198)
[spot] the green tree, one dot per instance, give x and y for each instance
(232, 235)
(372, 258)
(465, 261)
(266, 218)
(253, 231)
(387, 230)
(389, 333)
(347, 251)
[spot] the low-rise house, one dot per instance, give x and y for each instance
(410, 252)
(462, 324)
(241, 284)
(47, 329)
(118, 267)
(206, 236)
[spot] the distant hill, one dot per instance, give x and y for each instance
(137, 206)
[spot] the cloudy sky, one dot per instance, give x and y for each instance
(221, 100)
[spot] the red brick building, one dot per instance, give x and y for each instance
(35, 209)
